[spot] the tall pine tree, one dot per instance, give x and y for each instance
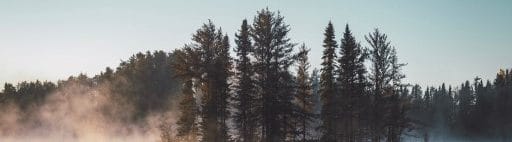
(187, 122)
(213, 71)
(304, 94)
(185, 65)
(352, 86)
(328, 87)
(244, 98)
(385, 78)
(273, 57)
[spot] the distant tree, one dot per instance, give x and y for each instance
(465, 108)
(146, 80)
(352, 86)
(304, 94)
(214, 69)
(31, 95)
(416, 95)
(442, 111)
(482, 115)
(328, 87)
(385, 78)
(427, 113)
(187, 121)
(9, 93)
(185, 64)
(317, 104)
(416, 113)
(224, 71)
(273, 57)
(503, 102)
(245, 91)
(9, 89)
(478, 92)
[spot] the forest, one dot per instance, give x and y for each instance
(262, 88)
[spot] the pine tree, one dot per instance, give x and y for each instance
(483, 109)
(443, 111)
(352, 85)
(385, 78)
(9, 89)
(304, 94)
(8, 94)
(273, 57)
(317, 104)
(245, 90)
(417, 112)
(426, 115)
(185, 65)
(327, 86)
(465, 104)
(224, 64)
(503, 84)
(187, 122)
(213, 71)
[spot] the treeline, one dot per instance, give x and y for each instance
(473, 111)
(266, 92)
(144, 84)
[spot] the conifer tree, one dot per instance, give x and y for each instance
(185, 65)
(244, 98)
(187, 122)
(352, 85)
(483, 109)
(304, 93)
(327, 86)
(317, 104)
(213, 71)
(273, 57)
(385, 79)
(224, 65)
(503, 88)
(465, 104)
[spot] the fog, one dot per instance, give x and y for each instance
(83, 114)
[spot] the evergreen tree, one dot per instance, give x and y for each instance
(483, 110)
(213, 69)
(352, 86)
(442, 112)
(416, 95)
(224, 66)
(147, 80)
(9, 89)
(273, 57)
(385, 78)
(317, 104)
(304, 94)
(186, 60)
(245, 90)
(417, 114)
(465, 104)
(503, 90)
(427, 113)
(187, 122)
(327, 86)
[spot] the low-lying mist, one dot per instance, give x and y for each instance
(80, 113)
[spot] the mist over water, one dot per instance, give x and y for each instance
(82, 114)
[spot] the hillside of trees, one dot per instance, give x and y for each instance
(263, 88)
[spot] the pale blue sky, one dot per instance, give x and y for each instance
(441, 40)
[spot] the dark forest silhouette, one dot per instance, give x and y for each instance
(267, 92)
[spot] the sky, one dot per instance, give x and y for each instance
(441, 40)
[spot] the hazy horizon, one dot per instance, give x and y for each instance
(441, 41)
